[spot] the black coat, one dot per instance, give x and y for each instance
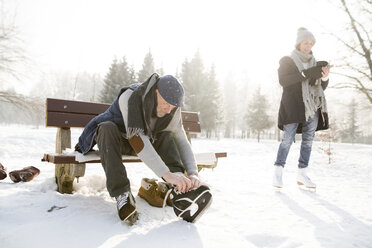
(292, 108)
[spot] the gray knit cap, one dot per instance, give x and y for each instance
(304, 34)
(171, 90)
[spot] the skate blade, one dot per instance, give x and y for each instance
(131, 219)
(304, 187)
(202, 211)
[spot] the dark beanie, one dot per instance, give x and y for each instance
(171, 90)
(304, 34)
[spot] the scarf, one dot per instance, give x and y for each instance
(141, 106)
(313, 95)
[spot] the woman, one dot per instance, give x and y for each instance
(303, 107)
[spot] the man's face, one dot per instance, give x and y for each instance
(163, 107)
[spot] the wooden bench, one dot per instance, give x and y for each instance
(67, 114)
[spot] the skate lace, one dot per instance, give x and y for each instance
(166, 197)
(175, 190)
(122, 199)
(193, 207)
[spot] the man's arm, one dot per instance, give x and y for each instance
(142, 146)
(187, 156)
(184, 147)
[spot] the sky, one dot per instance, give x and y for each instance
(239, 37)
(243, 39)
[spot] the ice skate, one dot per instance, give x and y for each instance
(277, 179)
(303, 179)
(191, 205)
(126, 206)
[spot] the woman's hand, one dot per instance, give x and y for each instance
(325, 71)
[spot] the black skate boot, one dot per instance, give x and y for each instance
(191, 205)
(126, 206)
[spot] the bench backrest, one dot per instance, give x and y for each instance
(67, 113)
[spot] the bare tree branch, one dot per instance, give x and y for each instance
(20, 101)
(356, 64)
(12, 53)
(367, 52)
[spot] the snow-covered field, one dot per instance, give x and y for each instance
(246, 211)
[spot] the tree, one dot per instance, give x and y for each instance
(327, 137)
(11, 45)
(351, 130)
(119, 75)
(210, 110)
(12, 57)
(160, 71)
(356, 65)
(256, 116)
(148, 68)
(202, 93)
(193, 78)
(231, 105)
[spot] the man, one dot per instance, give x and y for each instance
(145, 119)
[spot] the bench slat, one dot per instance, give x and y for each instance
(65, 114)
(191, 127)
(57, 119)
(70, 159)
(190, 116)
(66, 106)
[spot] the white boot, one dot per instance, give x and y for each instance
(277, 180)
(303, 179)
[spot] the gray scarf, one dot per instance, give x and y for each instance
(142, 106)
(313, 95)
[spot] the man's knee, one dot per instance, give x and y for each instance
(107, 129)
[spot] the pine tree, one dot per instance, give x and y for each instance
(210, 112)
(202, 93)
(119, 75)
(351, 133)
(193, 78)
(148, 68)
(230, 100)
(160, 71)
(256, 116)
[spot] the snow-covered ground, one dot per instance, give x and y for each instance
(246, 211)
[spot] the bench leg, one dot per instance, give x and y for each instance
(65, 174)
(209, 166)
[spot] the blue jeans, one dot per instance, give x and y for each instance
(308, 132)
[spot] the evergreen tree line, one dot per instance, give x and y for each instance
(229, 109)
(202, 94)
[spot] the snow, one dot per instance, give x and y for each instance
(246, 210)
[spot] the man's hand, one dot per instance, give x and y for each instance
(182, 183)
(195, 180)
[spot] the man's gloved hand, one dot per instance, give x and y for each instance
(77, 148)
(313, 72)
